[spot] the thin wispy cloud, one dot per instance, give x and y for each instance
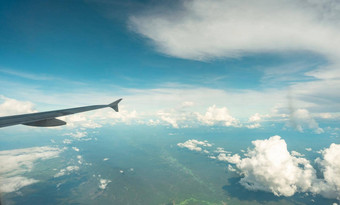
(17, 162)
(26, 75)
(230, 28)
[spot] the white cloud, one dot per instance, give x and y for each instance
(103, 183)
(66, 171)
(231, 28)
(187, 104)
(77, 134)
(228, 158)
(80, 120)
(308, 149)
(80, 159)
(255, 118)
(296, 154)
(220, 150)
(325, 115)
(75, 149)
(17, 162)
(216, 115)
(231, 168)
(330, 166)
(301, 118)
(67, 141)
(270, 167)
(12, 184)
(124, 115)
(152, 122)
(169, 118)
(195, 145)
(204, 30)
(12, 107)
(253, 126)
(167, 108)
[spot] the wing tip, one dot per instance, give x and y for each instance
(114, 105)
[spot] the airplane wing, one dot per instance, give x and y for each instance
(48, 119)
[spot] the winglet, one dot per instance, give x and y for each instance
(114, 105)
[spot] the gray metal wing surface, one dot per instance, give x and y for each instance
(48, 119)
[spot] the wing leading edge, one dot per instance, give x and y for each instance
(48, 119)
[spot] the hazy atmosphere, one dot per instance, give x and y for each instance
(224, 102)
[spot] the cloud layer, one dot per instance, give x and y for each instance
(190, 114)
(231, 28)
(17, 162)
(202, 30)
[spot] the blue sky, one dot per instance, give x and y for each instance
(250, 66)
(173, 62)
(92, 42)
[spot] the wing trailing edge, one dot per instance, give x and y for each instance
(46, 123)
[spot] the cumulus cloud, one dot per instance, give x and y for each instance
(215, 115)
(325, 115)
(330, 166)
(80, 159)
(229, 158)
(254, 121)
(11, 106)
(255, 118)
(80, 120)
(169, 118)
(220, 150)
(103, 183)
(253, 126)
(67, 141)
(231, 28)
(301, 118)
(178, 117)
(15, 163)
(68, 170)
(270, 167)
(77, 135)
(152, 122)
(231, 168)
(296, 154)
(194, 145)
(124, 115)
